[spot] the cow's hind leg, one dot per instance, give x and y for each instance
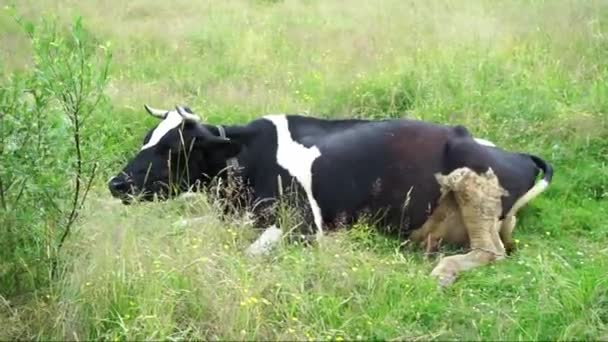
(506, 233)
(478, 198)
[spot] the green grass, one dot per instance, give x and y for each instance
(529, 75)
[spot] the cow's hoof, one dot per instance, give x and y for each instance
(510, 248)
(254, 252)
(446, 280)
(188, 196)
(257, 251)
(265, 243)
(444, 277)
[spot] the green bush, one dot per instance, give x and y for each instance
(48, 148)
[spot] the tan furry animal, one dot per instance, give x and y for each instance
(443, 226)
(467, 215)
(446, 225)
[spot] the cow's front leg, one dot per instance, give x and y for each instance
(265, 242)
(264, 215)
(478, 198)
(273, 235)
(289, 217)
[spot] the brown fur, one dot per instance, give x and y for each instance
(445, 225)
(467, 215)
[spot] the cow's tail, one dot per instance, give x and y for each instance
(538, 188)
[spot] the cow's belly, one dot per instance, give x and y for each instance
(397, 193)
(384, 170)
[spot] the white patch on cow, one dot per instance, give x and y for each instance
(297, 159)
(269, 238)
(536, 190)
(484, 142)
(172, 120)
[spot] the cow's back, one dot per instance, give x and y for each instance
(382, 168)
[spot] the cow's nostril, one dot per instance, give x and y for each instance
(118, 185)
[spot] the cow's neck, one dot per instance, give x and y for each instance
(238, 134)
(234, 173)
(232, 163)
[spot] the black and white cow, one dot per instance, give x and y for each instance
(342, 168)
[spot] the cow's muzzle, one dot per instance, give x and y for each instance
(120, 187)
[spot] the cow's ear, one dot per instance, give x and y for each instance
(222, 148)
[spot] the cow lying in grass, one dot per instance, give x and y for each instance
(340, 170)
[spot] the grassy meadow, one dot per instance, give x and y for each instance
(528, 75)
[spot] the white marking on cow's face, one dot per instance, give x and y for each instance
(172, 120)
(297, 159)
(484, 142)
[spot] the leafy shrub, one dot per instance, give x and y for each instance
(47, 148)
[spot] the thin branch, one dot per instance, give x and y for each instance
(9, 185)
(20, 193)
(2, 200)
(2, 135)
(76, 137)
(40, 103)
(75, 106)
(78, 98)
(75, 207)
(74, 211)
(89, 184)
(52, 202)
(5, 132)
(80, 90)
(67, 107)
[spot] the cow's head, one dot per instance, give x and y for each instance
(176, 154)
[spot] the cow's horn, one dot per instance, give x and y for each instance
(188, 116)
(159, 113)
